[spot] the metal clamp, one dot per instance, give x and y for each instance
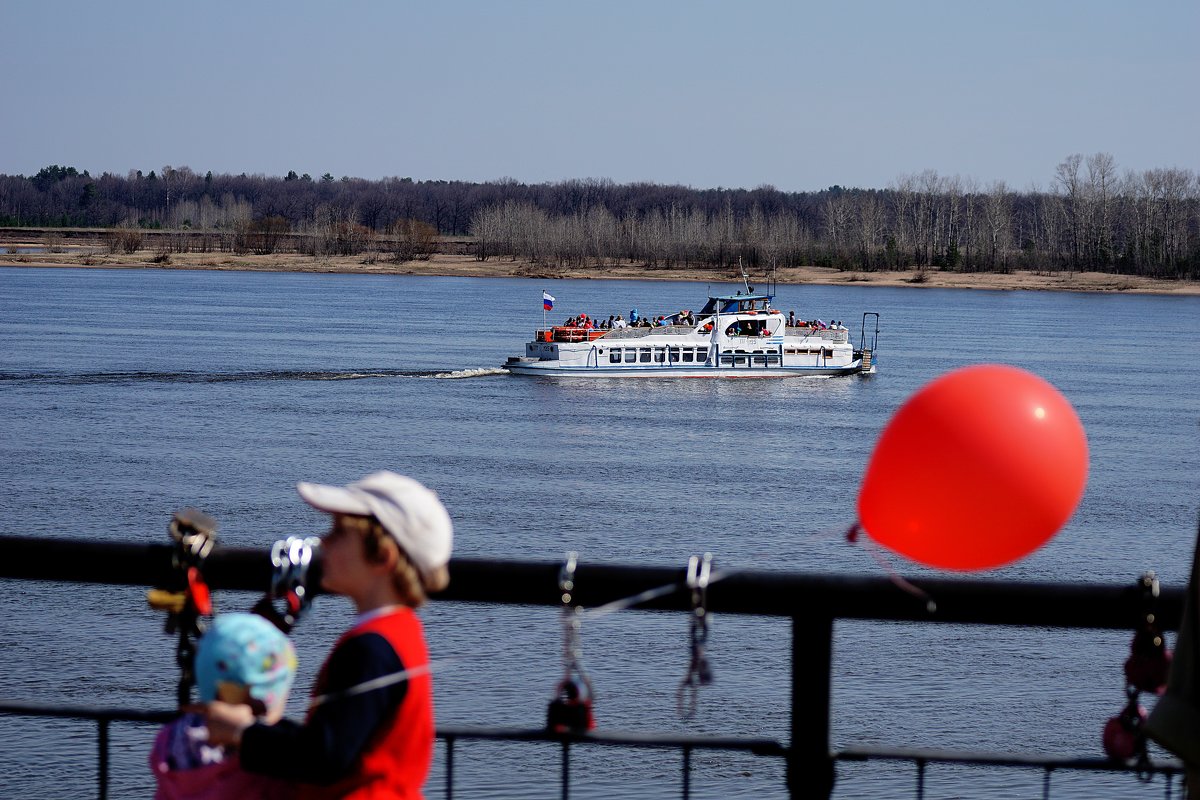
(291, 560)
(187, 597)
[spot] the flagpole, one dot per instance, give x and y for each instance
(543, 309)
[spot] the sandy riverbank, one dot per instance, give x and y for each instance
(468, 266)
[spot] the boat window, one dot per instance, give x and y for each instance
(726, 359)
(630, 355)
(644, 355)
(689, 355)
(674, 354)
(760, 359)
(739, 361)
(614, 356)
(773, 359)
(660, 355)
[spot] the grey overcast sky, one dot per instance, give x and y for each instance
(799, 94)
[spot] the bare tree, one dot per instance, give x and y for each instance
(1066, 177)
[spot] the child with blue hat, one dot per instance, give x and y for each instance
(241, 659)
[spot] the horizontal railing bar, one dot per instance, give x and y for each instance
(1003, 760)
(1078, 605)
(763, 747)
(769, 747)
(26, 709)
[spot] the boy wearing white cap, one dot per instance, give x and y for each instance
(369, 730)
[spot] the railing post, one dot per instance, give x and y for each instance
(102, 741)
(687, 772)
(810, 771)
(566, 769)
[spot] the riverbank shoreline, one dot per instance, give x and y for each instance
(469, 266)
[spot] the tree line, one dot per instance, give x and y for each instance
(1090, 218)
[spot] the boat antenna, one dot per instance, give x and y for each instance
(745, 277)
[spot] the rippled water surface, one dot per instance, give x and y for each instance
(125, 395)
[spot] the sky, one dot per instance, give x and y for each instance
(796, 94)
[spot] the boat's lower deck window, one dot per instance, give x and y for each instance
(660, 355)
(689, 355)
(614, 356)
(630, 355)
(644, 355)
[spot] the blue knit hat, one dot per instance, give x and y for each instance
(245, 650)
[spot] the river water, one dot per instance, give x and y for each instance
(125, 395)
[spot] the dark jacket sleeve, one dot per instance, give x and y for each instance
(327, 747)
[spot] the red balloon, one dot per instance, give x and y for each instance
(978, 469)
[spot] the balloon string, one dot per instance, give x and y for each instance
(854, 536)
(599, 612)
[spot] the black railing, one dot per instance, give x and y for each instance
(812, 602)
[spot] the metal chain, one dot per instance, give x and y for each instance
(699, 672)
(572, 616)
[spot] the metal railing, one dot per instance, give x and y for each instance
(812, 602)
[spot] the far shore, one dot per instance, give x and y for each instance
(469, 266)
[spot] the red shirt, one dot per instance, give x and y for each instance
(374, 744)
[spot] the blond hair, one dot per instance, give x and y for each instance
(410, 585)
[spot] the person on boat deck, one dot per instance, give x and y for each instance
(619, 322)
(633, 315)
(241, 659)
(791, 319)
(370, 728)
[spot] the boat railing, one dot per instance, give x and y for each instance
(639, 333)
(812, 603)
(671, 330)
(837, 336)
(627, 333)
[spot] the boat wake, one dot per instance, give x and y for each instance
(85, 378)
(480, 372)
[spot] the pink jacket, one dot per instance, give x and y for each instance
(185, 767)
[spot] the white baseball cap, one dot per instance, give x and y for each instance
(411, 513)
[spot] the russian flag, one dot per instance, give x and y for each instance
(547, 300)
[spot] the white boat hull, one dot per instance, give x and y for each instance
(551, 369)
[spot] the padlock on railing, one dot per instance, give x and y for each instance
(1123, 737)
(571, 709)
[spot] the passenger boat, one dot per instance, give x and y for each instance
(733, 336)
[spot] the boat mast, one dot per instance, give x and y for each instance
(745, 277)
